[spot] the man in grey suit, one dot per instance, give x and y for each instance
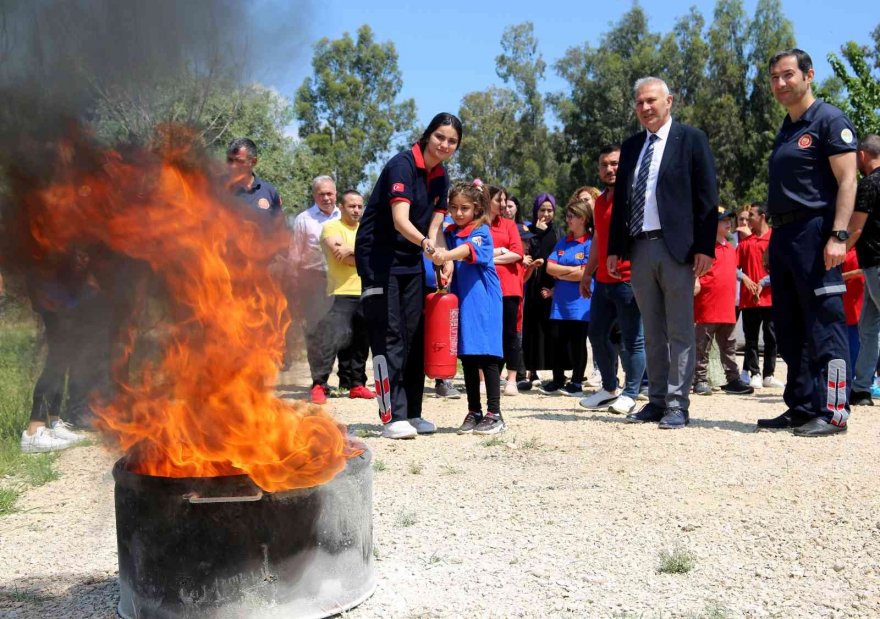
(664, 219)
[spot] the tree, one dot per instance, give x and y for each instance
(598, 108)
(720, 103)
(347, 111)
(769, 32)
(862, 102)
(491, 121)
(533, 167)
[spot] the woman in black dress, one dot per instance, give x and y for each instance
(537, 350)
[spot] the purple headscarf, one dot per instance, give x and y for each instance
(542, 197)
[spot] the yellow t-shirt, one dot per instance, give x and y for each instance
(342, 279)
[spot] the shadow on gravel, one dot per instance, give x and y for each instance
(723, 424)
(85, 597)
(553, 415)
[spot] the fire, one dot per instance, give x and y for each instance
(205, 405)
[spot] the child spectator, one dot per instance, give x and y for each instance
(756, 300)
(569, 311)
(715, 314)
(476, 284)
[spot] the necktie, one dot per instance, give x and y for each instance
(637, 204)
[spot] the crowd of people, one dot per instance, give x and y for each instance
(649, 268)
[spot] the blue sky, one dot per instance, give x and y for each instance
(447, 49)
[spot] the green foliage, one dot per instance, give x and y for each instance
(532, 165)
(719, 81)
(8, 497)
(347, 110)
(19, 365)
(862, 101)
(677, 560)
(490, 118)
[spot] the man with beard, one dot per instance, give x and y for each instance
(613, 300)
(812, 189)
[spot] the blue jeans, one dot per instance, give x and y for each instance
(612, 302)
(869, 332)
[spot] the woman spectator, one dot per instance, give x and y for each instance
(508, 255)
(586, 193)
(401, 222)
(570, 312)
(537, 347)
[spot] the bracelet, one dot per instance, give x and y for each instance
(421, 243)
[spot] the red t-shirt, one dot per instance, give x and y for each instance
(716, 302)
(854, 297)
(505, 234)
(749, 257)
(602, 224)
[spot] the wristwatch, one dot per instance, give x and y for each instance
(840, 235)
(503, 250)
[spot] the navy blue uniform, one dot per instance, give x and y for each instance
(261, 195)
(808, 300)
(393, 278)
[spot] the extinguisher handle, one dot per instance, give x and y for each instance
(437, 273)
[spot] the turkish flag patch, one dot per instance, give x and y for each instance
(397, 188)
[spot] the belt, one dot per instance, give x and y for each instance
(776, 221)
(649, 235)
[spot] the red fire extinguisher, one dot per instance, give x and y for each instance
(441, 331)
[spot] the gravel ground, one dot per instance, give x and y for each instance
(564, 515)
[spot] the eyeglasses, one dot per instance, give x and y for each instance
(573, 216)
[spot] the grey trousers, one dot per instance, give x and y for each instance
(722, 333)
(664, 290)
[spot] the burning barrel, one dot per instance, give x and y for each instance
(220, 547)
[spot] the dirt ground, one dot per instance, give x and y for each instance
(564, 515)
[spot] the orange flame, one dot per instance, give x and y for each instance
(206, 406)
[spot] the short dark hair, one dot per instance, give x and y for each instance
(760, 207)
(443, 118)
(804, 62)
(350, 192)
(246, 143)
(608, 149)
(870, 144)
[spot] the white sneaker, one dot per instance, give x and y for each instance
(600, 400)
(422, 426)
(42, 441)
(399, 429)
(510, 388)
(771, 382)
(755, 382)
(595, 379)
(62, 429)
(623, 405)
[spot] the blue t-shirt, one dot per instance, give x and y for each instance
(261, 195)
(568, 304)
(476, 285)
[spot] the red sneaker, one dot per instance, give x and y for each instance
(361, 392)
(318, 395)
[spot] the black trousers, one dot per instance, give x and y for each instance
(78, 342)
(343, 333)
(395, 319)
(491, 366)
(753, 319)
(569, 342)
(510, 338)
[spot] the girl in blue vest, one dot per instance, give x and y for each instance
(570, 312)
(476, 284)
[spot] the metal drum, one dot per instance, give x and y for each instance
(219, 547)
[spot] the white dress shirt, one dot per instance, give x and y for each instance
(305, 246)
(651, 220)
